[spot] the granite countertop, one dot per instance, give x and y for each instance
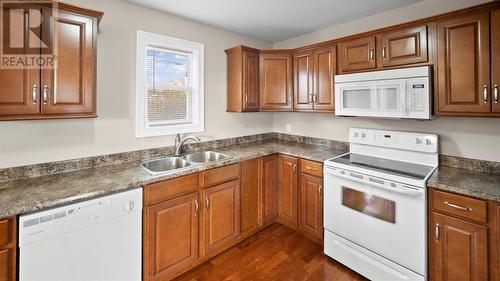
(469, 183)
(32, 194)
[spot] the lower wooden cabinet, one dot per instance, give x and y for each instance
(311, 206)
(460, 250)
(171, 237)
(221, 217)
(8, 246)
(269, 189)
(287, 190)
(250, 193)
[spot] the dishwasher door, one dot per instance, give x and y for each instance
(94, 240)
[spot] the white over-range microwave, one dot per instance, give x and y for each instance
(398, 93)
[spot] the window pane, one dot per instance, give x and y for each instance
(167, 105)
(168, 85)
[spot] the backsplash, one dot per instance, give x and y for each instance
(36, 170)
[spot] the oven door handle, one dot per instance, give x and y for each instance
(414, 192)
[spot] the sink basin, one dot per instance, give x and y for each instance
(204, 156)
(165, 165)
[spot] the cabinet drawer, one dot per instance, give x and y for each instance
(465, 207)
(165, 190)
(312, 168)
(219, 175)
(7, 232)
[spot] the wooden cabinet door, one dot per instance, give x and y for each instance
(311, 205)
(20, 91)
(408, 46)
(324, 70)
(358, 54)
(70, 87)
(170, 237)
(221, 216)
(464, 65)
(459, 249)
(269, 188)
(250, 196)
(495, 59)
(250, 81)
(276, 82)
(287, 190)
(303, 80)
(7, 265)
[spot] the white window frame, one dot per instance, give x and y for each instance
(196, 98)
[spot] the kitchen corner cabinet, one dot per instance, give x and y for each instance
(463, 238)
(276, 76)
(311, 199)
(314, 72)
(242, 79)
(8, 248)
(287, 190)
(69, 90)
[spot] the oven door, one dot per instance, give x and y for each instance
(388, 222)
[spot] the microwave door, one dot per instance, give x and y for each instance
(356, 99)
(391, 96)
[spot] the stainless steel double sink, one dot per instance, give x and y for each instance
(175, 163)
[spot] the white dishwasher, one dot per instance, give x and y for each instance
(94, 240)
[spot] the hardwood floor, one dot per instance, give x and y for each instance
(276, 253)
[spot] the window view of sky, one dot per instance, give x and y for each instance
(165, 69)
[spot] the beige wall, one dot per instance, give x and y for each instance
(466, 137)
(114, 131)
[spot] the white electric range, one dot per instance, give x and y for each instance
(375, 206)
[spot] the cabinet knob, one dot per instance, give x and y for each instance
(383, 52)
(196, 207)
(207, 203)
(436, 232)
(371, 54)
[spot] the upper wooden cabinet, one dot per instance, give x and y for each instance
(495, 60)
(276, 81)
(242, 79)
(358, 54)
(314, 72)
(464, 65)
(403, 47)
(66, 90)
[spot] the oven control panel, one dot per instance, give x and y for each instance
(395, 139)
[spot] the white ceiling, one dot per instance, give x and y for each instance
(273, 20)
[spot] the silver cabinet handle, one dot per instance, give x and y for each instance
(319, 191)
(467, 209)
(45, 94)
(207, 203)
(246, 98)
(485, 93)
(383, 52)
(196, 207)
(294, 168)
(311, 169)
(371, 54)
(495, 93)
(436, 232)
(35, 93)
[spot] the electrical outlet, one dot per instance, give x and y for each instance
(288, 127)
